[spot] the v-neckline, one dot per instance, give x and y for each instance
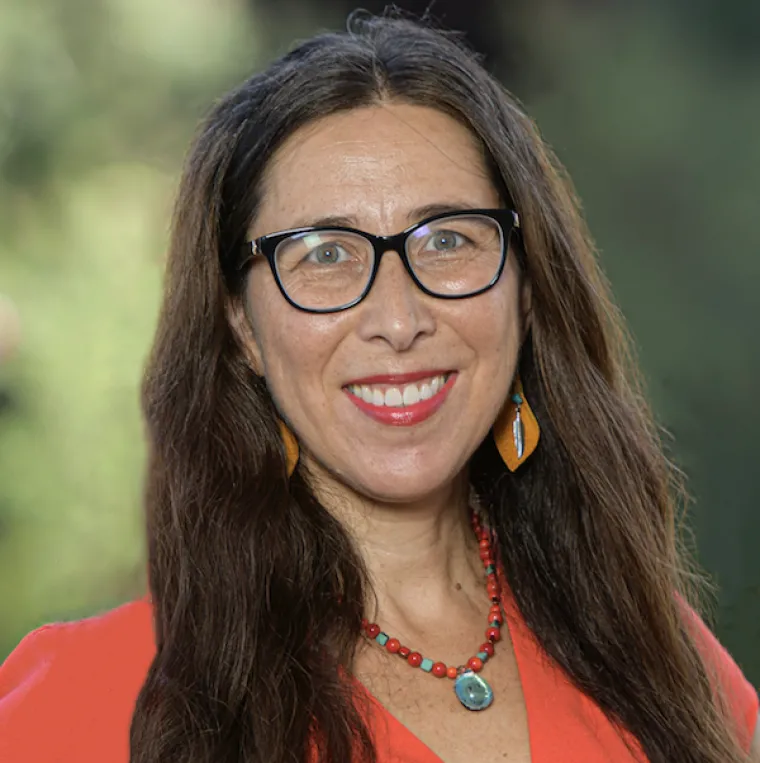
(563, 723)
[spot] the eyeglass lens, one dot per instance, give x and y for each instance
(451, 256)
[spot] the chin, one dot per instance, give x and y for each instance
(403, 485)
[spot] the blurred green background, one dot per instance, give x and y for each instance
(653, 106)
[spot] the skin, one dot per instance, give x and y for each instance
(375, 166)
(401, 491)
(403, 486)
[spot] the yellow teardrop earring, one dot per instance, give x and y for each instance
(292, 451)
(516, 430)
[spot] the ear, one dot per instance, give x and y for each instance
(242, 327)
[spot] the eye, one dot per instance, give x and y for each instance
(329, 253)
(445, 241)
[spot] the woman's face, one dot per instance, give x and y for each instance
(375, 167)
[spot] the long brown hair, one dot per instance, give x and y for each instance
(257, 589)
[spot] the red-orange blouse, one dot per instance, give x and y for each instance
(68, 691)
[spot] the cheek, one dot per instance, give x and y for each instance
(271, 322)
(498, 323)
(293, 346)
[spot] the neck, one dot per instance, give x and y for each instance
(419, 555)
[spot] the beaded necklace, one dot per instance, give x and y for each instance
(472, 690)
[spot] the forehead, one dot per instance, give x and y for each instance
(374, 164)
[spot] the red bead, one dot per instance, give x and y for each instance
(439, 670)
(484, 554)
(495, 617)
(493, 633)
(487, 560)
(452, 672)
(487, 648)
(414, 659)
(393, 645)
(404, 651)
(475, 664)
(492, 588)
(373, 630)
(485, 543)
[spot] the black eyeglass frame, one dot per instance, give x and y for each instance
(266, 246)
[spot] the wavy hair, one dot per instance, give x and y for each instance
(257, 589)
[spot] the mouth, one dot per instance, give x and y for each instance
(397, 395)
(401, 400)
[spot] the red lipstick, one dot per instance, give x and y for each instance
(399, 379)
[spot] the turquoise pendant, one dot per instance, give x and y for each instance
(473, 691)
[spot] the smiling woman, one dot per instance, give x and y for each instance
(405, 501)
(403, 326)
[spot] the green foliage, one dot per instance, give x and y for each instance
(659, 133)
(100, 101)
(653, 111)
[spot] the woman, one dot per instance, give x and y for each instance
(405, 500)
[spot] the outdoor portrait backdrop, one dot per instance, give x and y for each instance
(653, 107)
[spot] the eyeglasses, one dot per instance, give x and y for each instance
(453, 255)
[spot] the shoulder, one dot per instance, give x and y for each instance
(740, 697)
(68, 690)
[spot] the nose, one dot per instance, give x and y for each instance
(395, 310)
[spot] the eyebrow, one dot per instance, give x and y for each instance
(413, 216)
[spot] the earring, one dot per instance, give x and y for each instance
(292, 451)
(516, 430)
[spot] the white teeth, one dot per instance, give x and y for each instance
(411, 394)
(393, 398)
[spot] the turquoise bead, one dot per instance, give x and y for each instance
(495, 624)
(426, 665)
(517, 399)
(483, 655)
(473, 691)
(382, 638)
(491, 569)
